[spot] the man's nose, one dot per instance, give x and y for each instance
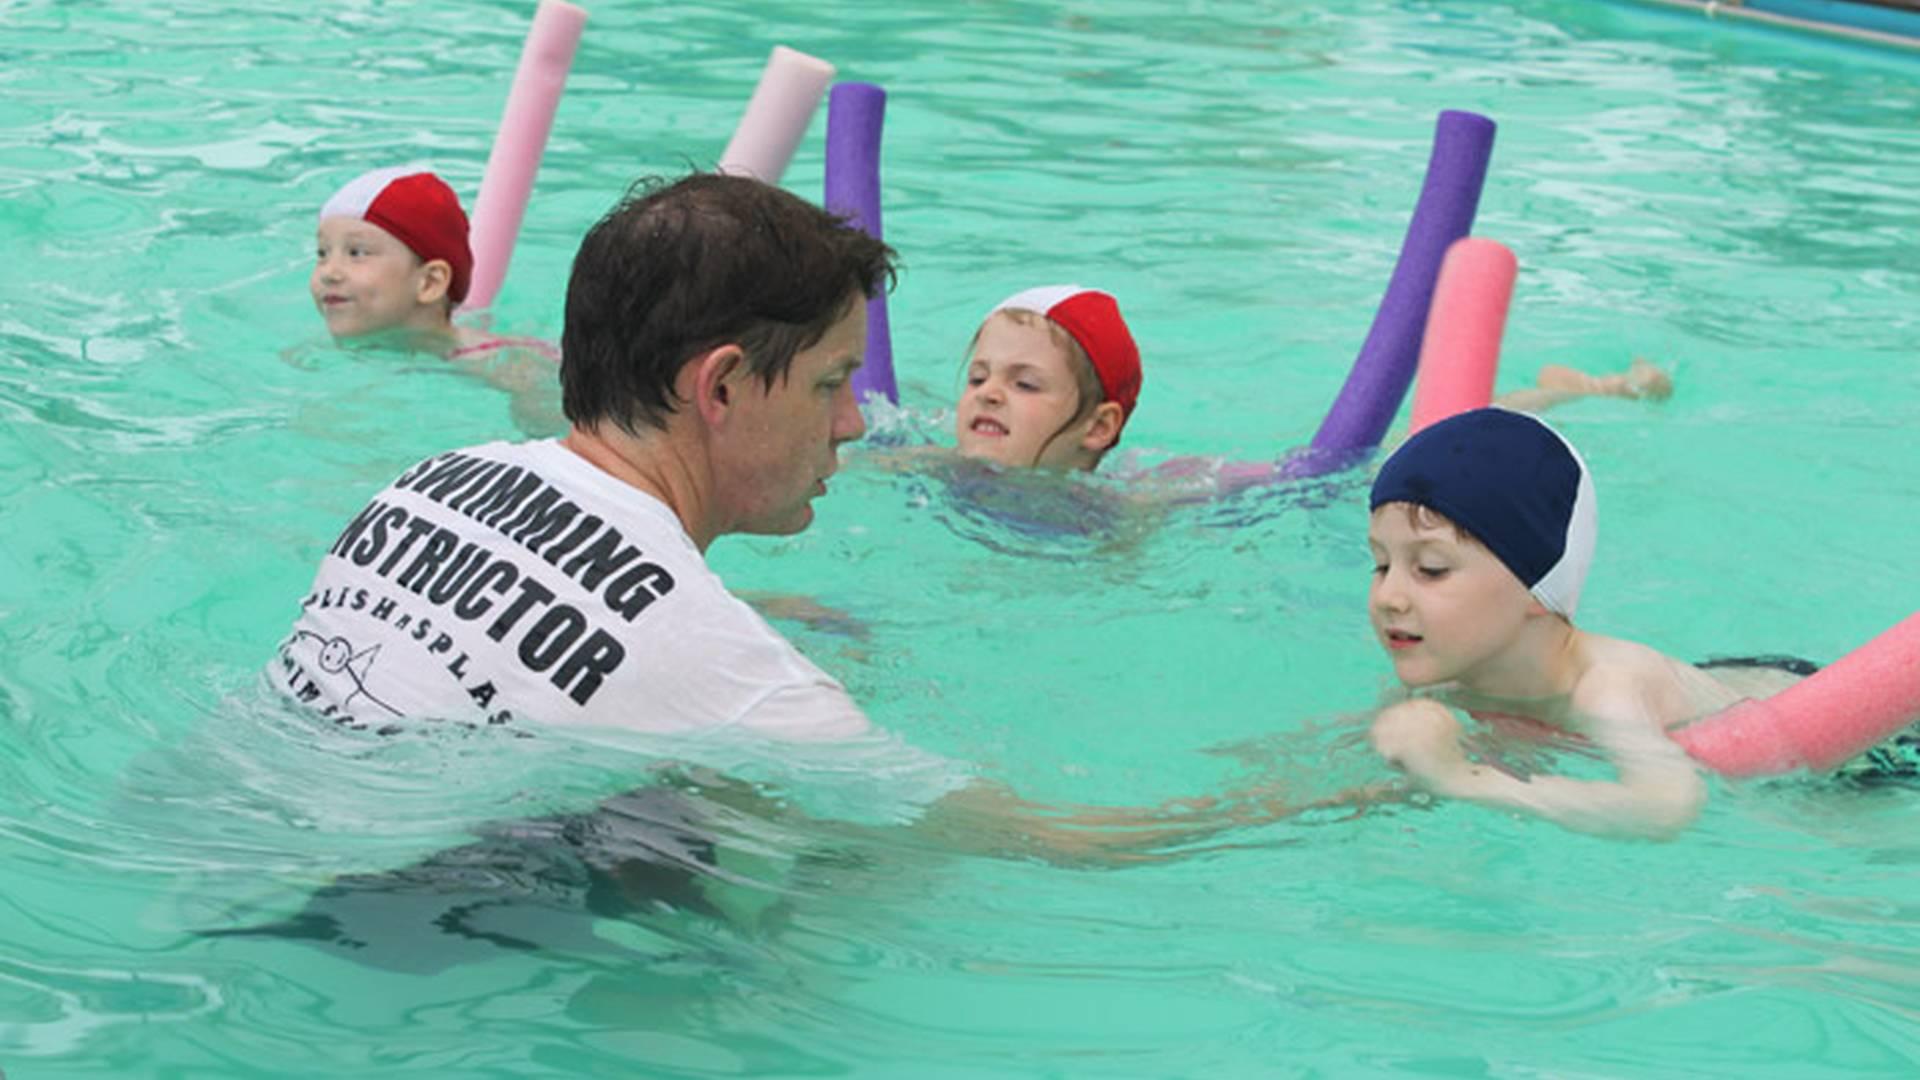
(848, 423)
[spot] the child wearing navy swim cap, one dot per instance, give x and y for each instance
(1483, 527)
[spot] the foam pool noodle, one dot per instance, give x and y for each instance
(855, 114)
(777, 115)
(1377, 383)
(1820, 722)
(519, 144)
(1460, 350)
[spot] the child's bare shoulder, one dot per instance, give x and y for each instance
(1627, 676)
(1620, 677)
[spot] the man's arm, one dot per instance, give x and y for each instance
(966, 814)
(989, 818)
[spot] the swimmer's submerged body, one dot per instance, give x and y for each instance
(1709, 686)
(523, 885)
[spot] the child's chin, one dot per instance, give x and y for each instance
(993, 454)
(1414, 678)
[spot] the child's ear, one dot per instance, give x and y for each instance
(436, 277)
(1104, 427)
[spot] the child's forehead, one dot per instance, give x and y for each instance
(341, 227)
(1412, 521)
(1018, 337)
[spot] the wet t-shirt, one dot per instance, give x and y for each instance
(517, 581)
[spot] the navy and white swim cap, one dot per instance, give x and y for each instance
(1513, 483)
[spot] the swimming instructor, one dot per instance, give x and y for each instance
(713, 325)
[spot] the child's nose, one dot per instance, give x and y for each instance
(1389, 592)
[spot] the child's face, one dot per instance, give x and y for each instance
(365, 280)
(1445, 608)
(1021, 397)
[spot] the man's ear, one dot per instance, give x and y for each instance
(717, 381)
(436, 277)
(1104, 427)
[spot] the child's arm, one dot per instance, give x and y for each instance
(1656, 795)
(526, 368)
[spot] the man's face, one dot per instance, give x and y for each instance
(781, 442)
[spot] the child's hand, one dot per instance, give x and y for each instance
(1422, 739)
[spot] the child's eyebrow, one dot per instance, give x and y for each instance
(1013, 367)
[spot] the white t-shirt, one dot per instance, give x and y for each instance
(516, 580)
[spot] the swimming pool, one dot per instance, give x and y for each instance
(1739, 206)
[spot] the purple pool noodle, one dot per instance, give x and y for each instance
(855, 112)
(1358, 420)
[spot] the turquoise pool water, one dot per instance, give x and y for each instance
(1739, 206)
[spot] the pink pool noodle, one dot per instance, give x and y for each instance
(517, 146)
(1460, 350)
(1821, 721)
(777, 115)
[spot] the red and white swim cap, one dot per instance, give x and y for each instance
(1093, 318)
(419, 209)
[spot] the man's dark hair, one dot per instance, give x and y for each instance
(681, 267)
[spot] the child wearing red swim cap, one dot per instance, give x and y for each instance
(392, 262)
(391, 258)
(1053, 375)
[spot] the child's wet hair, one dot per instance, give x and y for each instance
(1426, 517)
